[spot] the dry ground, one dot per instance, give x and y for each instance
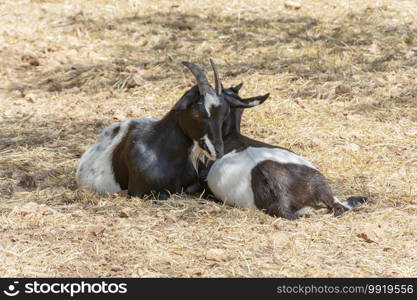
(343, 79)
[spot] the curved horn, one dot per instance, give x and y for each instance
(218, 83)
(202, 82)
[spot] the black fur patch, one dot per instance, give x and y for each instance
(282, 189)
(354, 201)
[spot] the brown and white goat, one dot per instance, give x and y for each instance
(257, 175)
(154, 157)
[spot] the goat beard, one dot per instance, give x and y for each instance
(199, 154)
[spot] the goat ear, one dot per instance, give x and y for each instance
(237, 88)
(187, 99)
(253, 101)
(248, 102)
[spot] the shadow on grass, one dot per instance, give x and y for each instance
(55, 139)
(304, 47)
(50, 134)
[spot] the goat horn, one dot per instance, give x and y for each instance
(218, 83)
(202, 82)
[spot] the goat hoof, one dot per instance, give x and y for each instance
(354, 201)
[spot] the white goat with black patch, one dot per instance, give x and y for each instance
(256, 175)
(95, 169)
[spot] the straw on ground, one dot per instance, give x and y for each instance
(343, 79)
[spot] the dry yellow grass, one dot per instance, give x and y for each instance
(342, 75)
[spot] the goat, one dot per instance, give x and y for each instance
(154, 157)
(256, 175)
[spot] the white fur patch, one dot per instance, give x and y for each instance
(209, 144)
(95, 170)
(305, 211)
(230, 176)
(210, 101)
(254, 103)
(343, 203)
